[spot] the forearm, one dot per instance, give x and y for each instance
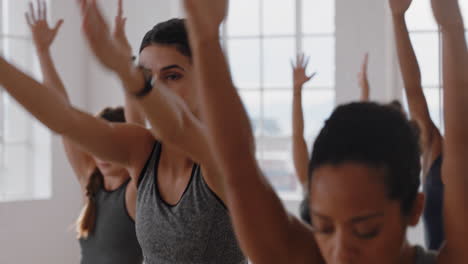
(412, 77)
(51, 78)
(300, 154)
(455, 63)
(133, 114)
(47, 105)
(365, 91)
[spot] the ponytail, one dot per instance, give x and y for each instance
(87, 219)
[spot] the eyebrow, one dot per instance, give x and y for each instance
(354, 220)
(174, 66)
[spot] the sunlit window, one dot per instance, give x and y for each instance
(261, 37)
(24, 144)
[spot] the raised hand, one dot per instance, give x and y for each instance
(299, 72)
(363, 79)
(399, 7)
(119, 34)
(205, 16)
(96, 30)
(42, 33)
(447, 13)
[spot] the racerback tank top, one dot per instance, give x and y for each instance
(113, 240)
(196, 230)
(434, 206)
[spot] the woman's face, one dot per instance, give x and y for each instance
(109, 168)
(353, 218)
(172, 69)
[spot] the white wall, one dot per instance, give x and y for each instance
(105, 88)
(41, 231)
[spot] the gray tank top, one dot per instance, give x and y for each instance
(196, 230)
(114, 238)
(425, 257)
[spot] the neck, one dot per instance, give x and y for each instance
(174, 161)
(114, 180)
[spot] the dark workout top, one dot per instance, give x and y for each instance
(434, 205)
(196, 230)
(114, 238)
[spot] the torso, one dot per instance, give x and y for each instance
(114, 238)
(194, 227)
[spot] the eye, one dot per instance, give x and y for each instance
(173, 76)
(323, 228)
(367, 232)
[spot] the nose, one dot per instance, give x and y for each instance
(343, 250)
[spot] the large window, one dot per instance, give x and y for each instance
(261, 37)
(427, 43)
(24, 144)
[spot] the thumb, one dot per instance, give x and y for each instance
(58, 25)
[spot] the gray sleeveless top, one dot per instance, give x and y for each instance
(114, 238)
(425, 257)
(195, 230)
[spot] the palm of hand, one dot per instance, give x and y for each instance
(300, 77)
(206, 15)
(43, 35)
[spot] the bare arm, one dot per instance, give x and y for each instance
(111, 142)
(254, 206)
(299, 147)
(43, 37)
(172, 122)
(455, 165)
(364, 80)
(431, 140)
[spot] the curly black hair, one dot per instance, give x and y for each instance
(378, 136)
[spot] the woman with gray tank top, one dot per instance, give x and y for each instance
(181, 216)
(364, 171)
(106, 227)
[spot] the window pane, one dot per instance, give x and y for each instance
(17, 123)
(14, 22)
(243, 19)
(420, 16)
(244, 58)
(464, 8)
(317, 107)
(426, 46)
(278, 17)
(279, 170)
(20, 52)
(277, 113)
(318, 16)
(14, 172)
(252, 103)
(322, 60)
(433, 97)
(277, 62)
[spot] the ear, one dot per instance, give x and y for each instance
(417, 211)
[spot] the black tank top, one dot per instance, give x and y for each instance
(114, 238)
(434, 206)
(197, 230)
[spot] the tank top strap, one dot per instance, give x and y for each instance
(150, 164)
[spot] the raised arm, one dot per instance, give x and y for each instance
(132, 113)
(107, 141)
(364, 80)
(299, 147)
(431, 139)
(43, 37)
(267, 233)
(171, 120)
(455, 164)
